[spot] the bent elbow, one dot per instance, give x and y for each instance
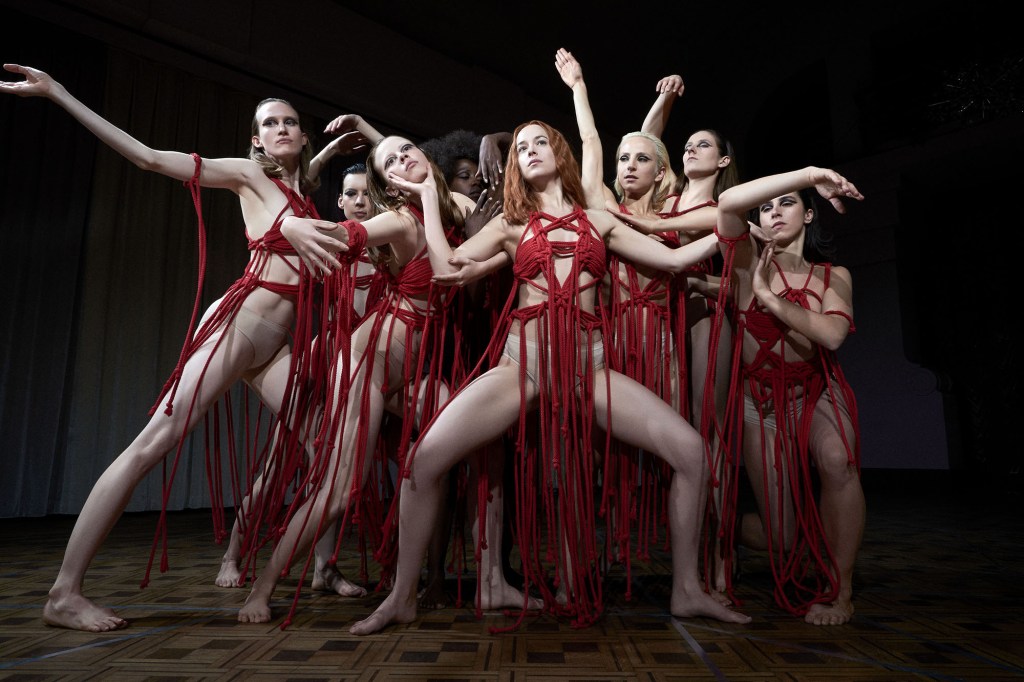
(833, 341)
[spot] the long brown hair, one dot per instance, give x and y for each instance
(307, 184)
(520, 198)
(377, 187)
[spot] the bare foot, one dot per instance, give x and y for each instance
(230, 575)
(256, 610)
(78, 613)
(389, 611)
(330, 579)
(700, 603)
(504, 596)
(837, 613)
(433, 596)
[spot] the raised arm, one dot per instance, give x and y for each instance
(224, 173)
(491, 159)
(354, 123)
(668, 89)
(345, 144)
(829, 327)
(735, 202)
(592, 167)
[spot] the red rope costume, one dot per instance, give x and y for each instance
(420, 316)
(787, 389)
(286, 451)
(646, 342)
(554, 464)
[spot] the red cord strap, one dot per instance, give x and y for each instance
(356, 239)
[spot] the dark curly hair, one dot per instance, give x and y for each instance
(447, 149)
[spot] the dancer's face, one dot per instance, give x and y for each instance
(465, 180)
(637, 166)
(280, 134)
(400, 156)
(702, 155)
(533, 150)
(354, 200)
(784, 217)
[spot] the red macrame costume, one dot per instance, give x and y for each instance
(414, 317)
(787, 389)
(646, 341)
(557, 345)
(285, 449)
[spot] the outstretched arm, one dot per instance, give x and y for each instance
(316, 241)
(627, 242)
(695, 221)
(735, 202)
(668, 89)
(225, 173)
(592, 168)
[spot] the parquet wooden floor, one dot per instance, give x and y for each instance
(938, 593)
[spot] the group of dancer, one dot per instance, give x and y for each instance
(470, 345)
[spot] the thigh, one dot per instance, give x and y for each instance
(476, 415)
(639, 417)
(831, 431)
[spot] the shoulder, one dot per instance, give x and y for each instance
(602, 220)
(463, 202)
(839, 276)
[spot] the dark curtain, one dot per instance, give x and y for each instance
(102, 270)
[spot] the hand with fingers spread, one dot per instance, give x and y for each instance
(644, 224)
(316, 242)
(487, 206)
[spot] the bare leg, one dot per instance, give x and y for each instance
(326, 576)
(318, 513)
(459, 429)
(433, 595)
(700, 333)
(66, 606)
(775, 524)
(641, 418)
(842, 509)
(495, 590)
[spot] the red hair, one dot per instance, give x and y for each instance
(520, 198)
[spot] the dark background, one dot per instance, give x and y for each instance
(921, 106)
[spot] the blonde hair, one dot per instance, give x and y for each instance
(664, 186)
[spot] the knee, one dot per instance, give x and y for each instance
(835, 469)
